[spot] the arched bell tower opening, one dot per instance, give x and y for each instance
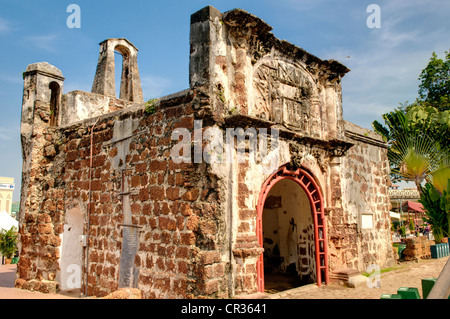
(105, 75)
(122, 70)
(291, 228)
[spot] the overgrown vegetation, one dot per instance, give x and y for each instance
(150, 106)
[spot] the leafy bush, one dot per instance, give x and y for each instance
(150, 106)
(8, 242)
(403, 231)
(437, 210)
(412, 226)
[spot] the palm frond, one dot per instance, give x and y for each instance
(415, 157)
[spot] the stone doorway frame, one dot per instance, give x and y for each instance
(306, 180)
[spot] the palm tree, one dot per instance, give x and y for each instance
(412, 153)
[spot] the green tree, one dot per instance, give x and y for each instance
(434, 88)
(416, 158)
(430, 121)
(8, 242)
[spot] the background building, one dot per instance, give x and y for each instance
(6, 194)
(404, 201)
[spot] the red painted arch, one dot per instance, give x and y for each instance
(314, 194)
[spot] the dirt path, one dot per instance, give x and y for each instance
(408, 274)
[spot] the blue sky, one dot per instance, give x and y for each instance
(385, 62)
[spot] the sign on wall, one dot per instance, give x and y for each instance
(7, 186)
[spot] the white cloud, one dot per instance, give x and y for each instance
(17, 79)
(70, 86)
(154, 86)
(46, 42)
(4, 26)
(385, 63)
(6, 134)
(302, 5)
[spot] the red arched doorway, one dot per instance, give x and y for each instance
(314, 194)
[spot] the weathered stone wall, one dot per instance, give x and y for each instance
(256, 80)
(38, 243)
(79, 105)
(175, 207)
(360, 232)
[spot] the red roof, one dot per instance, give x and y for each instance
(408, 205)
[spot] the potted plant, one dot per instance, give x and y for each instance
(8, 243)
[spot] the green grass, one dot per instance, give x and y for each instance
(384, 270)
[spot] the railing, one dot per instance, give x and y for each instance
(404, 193)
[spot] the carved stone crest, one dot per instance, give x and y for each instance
(282, 93)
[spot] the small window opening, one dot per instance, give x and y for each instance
(54, 103)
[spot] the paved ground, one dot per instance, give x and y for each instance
(404, 275)
(7, 290)
(407, 274)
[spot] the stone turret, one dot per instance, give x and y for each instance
(41, 105)
(42, 91)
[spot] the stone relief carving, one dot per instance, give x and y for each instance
(323, 155)
(283, 93)
(299, 152)
(322, 159)
(339, 150)
(258, 49)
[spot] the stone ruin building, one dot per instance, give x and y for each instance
(105, 206)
